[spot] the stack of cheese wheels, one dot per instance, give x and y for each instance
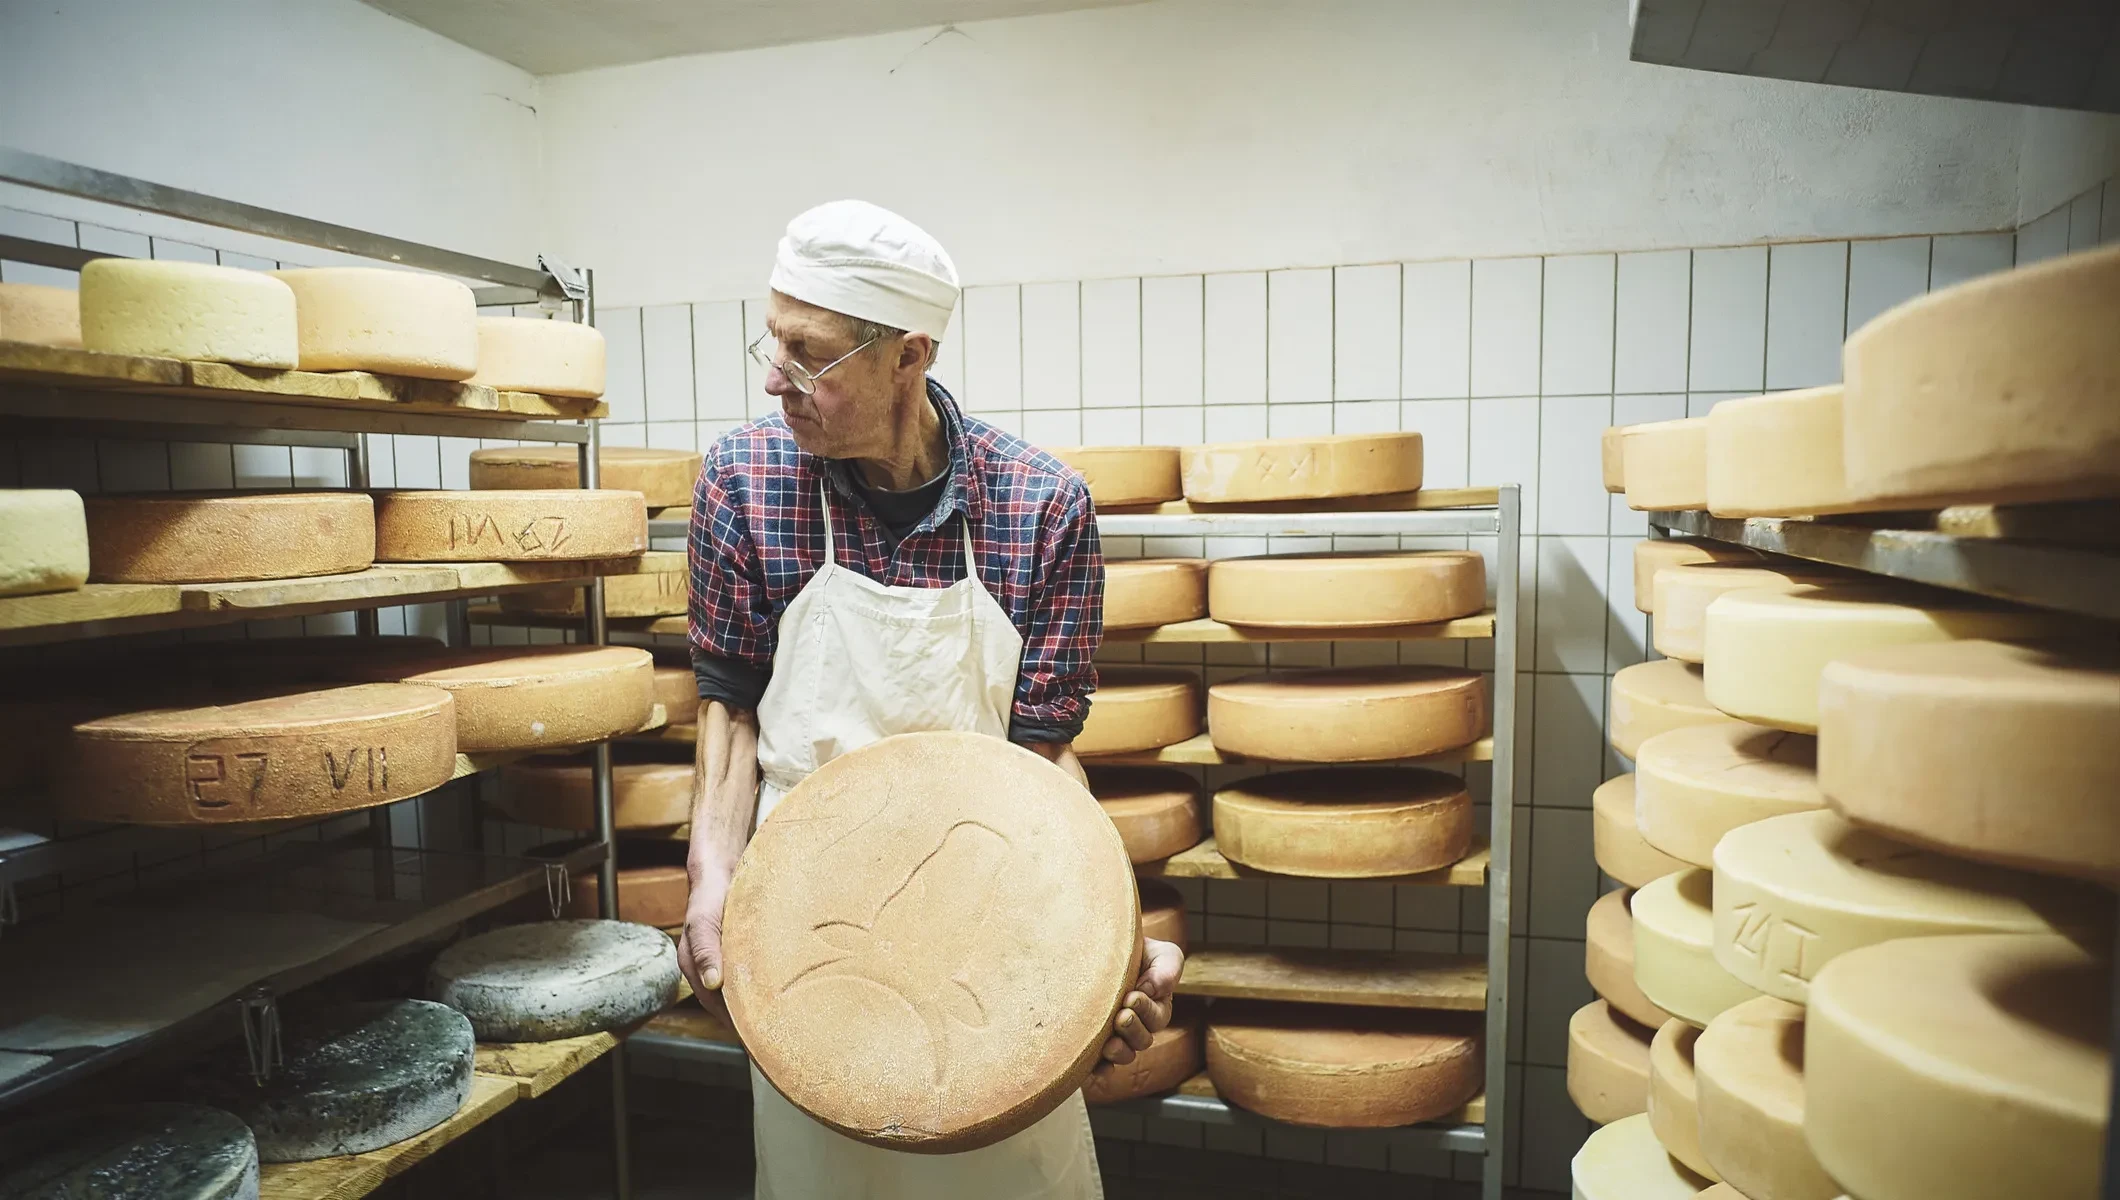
(1612, 456)
(646, 594)
(1346, 823)
(1608, 1063)
(1155, 809)
(509, 526)
(190, 311)
(651, 788)
(217, 537)
(1624, 1161)
(664, 478)
(40, 315)
(1748, 1070)
(1692, 786)
(1124, 475)
(389, 322)
(1348, 714)
(1616, 837)
(1961, 1068)
(1342, 1068)
(178, 1151)
(676, 687)
(1316, 468)
(1162, 912)
(556, 979)
(1347, 591)
(1608, 960)
(43, 541)
(1779, 456)
(1994, 390)
(529, 697)
(1140, 593)
(1766, 650)
(1652, 555)
(652, 882)
(1793, 893)
(1666, 465)
(1674, 949)
(1992, 751)
(532, 354)
(1174, 1055)
(1682, 595)
(1657, 697)
(1140, 708)
(1674, 1101)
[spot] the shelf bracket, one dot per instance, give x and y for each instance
(570, 279)
(260, 1013)
(559, 888)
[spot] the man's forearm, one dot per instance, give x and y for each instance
(1061, 754)
(725, 786)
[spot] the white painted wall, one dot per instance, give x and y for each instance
(2065, 153)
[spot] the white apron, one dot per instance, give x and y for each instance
(858, 661)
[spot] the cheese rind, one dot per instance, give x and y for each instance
(1656, 697)
(1694, 785)
(677, 690)
(1674, 949)
(1140, 708)
(1624, 1161)
(1316, 468)
(664, 478)
(1608, 960)
(1682, 596)
(1347, 714)
(1334, 1067)
(1347, 591)
(180, 537)
(650, 789)
(168, 1151)
(1174, 1055)
(1616, 840)
(1748, 1067)
(1666, 465)
(648, 594)
(1345, 823)
(1654, 554)
(40, 315)
(1162, 912)
(1144, 592)
(1674, 1104)
(531, 697)
(1779, 455)
(1123, 475)
(43, 541)
(556, 979)
(390, 322)
(1792, 893)
(1155, 809)
(509, 526)
(188, 310)
(1608, 1064)
(1612, 456)
(532, 354)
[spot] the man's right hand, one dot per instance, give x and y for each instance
(699, 949)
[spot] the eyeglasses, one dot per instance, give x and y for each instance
(804, 379)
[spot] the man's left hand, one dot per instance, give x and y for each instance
(1146, 1009)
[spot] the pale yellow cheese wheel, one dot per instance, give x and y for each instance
(1961, 1068)
(1345, 823)
(1347, 714)
(664, 478)
(1347, 591)
(1144, 592)
(40, 315)
(1608, 960)
(531, 697)
(188, 310)
(207, 537)
(1674, 949)
(532, 354)
(508, 526)
(1987, 750)
(1654, 554)
(1122, 475)
(43, 541)
(1612, 455)
(648, 594)
(1674, 1104)
(1140, 708)
(1656, 697)
(1336, 1067)
(1997, 389)
(652, 787)
(1624, 1161)
(1792, 893)
(1666, 465)
(1682, 596)
(1608, 1064)
(1616, 837)
(1313, 468)
(1779, 456)
(1694, 785)
(1748, 1069)
(1155, 809)
(389, 322)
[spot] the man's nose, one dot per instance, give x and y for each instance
(778, 384)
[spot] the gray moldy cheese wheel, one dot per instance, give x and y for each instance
(1347, 714)
(1335, 1067)
(1144, 592)
(1140, 708)
(1162, 912)
(556, 979)
(1346, 822)
(1314, 468)
(651, 788)
(1608, 1064)
(664, 478)
(1674, 1096)
(218, 537)
(1347, 591)
(927, 940)
(1748, 1075)
(354, 1078)
(299, 754)
(1616, 838)
(504, 526)
(164, 1151)
(647, 594)
(1155, 809)
(1608, 959)
(652, 881)
(528, 697)
(1174, 1055)
(1121, 475)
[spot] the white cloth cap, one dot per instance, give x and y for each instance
(855, 258)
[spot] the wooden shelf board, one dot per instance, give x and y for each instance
(1205, 861)
(1199, 751)
(1426, 498)
(1473, 1113)
(1372, 978)
(686, 1019)
(1207, 630)
(91, 602)
(359, 1174)
(535, 1068)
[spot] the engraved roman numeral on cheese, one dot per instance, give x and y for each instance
(365, 766)
(1775, 942)
(217, 778)
(472, 528)
(542, 534)
(1294, 463)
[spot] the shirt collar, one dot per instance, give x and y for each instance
(961, 494)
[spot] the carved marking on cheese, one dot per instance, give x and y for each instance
(1775, 942)
(376, 760)
(468, 529)
(542, 533)
(212, 783)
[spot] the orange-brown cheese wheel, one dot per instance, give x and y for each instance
(1173, 1056)
(1347, 591)
(1608, 960)
(664, 478)
(1656, 697)
(649, 594)
(1345, 823)
(299, 754)
(1336, 1067)
(651, 788)
(677, 690)
(1347, 714)
(1122, 475)
(1608, 1063)
(51, 316)
(529, 697)
(1155, 809)
(1313, 468)
(652, 884)
(1143, 592)
(1616, 837)
(179, 537)
(1140, 708)
(1162, 912)
(504, 526)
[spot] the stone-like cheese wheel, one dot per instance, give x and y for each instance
(167, 1151)
(1624, 1161)
(531, 697)
(1616, 837)
(1123, 475)
(1674, 949)
(1674, 1104)
(532, 354)
(1347, 591)
(1608, 1064)
(1347, 714)
(664, 478)
(1961, 1068)
(1345, 823)
(651, 788)
(677, 690)
(179, 537)
(1336, 1067)
(39, 315)
(1666, 465)
(1612, 458)
(652, 882)
(1608, 960)
(509, 526)
(1654, 554)
(1144, 592)
(1692, 786)
(649, 594)
(1174, 1055)
(927, 940)
(43, 541)
(1315, 468)
(1656, 697)
(1684, 593)
(1155, 809)
(389, 322)
(556, 979)
(162, 309)
(1162, 912)
(300, 754)
(1779, 456)
(1140, 708)
(1748, 1069)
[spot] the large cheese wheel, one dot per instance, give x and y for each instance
(1143, 592)
(1122, 475)
(1608, 1064)
(1608, 959)
(1656, 697)
(1692, 786)
(1666, 465)
(1980, 749)
(1961, 1068)
(1654, 554)
(1612, 458)
(1793, 893)
(1347, 714)
(529, 697)
(556, 979)
(196, 537)
(677, 690)
(1155, 809)
(1162, 912)
(390, 322)
(1616, 837)
(43, 541)
(1314, 468)
(1174, 1055)
(1778, 456)
(301, 754)
(1674, 949)
(1337, 1067)
(168, 1151)
(1748, 1068)
(652, 882)
(1345, 823)
(1766, 650)
(1624, 1161)
(651, 788)
(532, 354)
(649, 594)
(1682, 596)
(664, 478)
(1140, 708)
(928, 938)
(188, 310)
(1998, 389)
(1347, 591)
(40, 315)
(1674, 1105)
(509, 526)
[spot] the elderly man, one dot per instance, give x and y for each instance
(866, 562)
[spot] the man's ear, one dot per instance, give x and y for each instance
(916, 351)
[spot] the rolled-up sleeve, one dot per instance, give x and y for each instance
(730, 614)
(1065, 625)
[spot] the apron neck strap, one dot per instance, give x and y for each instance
(824, 503)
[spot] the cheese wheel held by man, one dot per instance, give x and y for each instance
(164, 309)
(1140, 708)
(1347, 714)
(1346, 591)
(1140, 593)
(1155, 809)
(1341, 1067)
(664, 478)
(1313, 468)
(218, 537)
(389, 322)
(1345, 823)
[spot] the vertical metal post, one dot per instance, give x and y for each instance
(1501, 821)
(364, 620)
(2109, 1184)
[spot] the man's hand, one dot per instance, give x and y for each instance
(699, 948)
(1146, 1009)
(1062, 754)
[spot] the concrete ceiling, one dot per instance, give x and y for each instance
(550, 37)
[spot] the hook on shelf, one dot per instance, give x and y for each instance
(559, 888)
(260, 1012)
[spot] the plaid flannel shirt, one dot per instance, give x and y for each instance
(757, 537)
